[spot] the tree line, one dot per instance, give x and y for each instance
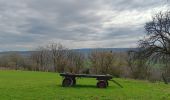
(57, 58)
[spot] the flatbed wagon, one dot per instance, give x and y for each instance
(70, 79)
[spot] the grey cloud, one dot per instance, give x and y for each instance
(136, 4)
(29, 23)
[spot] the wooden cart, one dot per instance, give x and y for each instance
(70, 79)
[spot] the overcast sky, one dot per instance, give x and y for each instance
(26, 24)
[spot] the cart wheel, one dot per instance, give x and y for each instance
(101, 84)
(67, 82)
(74, 81)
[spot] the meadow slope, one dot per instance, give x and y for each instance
(26, 85)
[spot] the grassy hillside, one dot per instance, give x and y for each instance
(25, 85)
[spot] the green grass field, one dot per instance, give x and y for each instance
(25, 85)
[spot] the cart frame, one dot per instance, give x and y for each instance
(70, 79)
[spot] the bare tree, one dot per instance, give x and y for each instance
(58, 54)
(139, 67)
(156, 45)
(42, 58)
(75, 61)
(57, 57)
(102, 62)
(12, 60)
